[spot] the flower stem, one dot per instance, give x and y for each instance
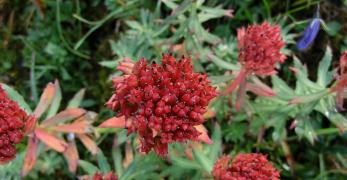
(239, 79)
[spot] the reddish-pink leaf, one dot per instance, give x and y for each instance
(63, 116)
(88, 143)
(45, 100)
(203, 136)
(76, 127)
(51, 140)
(259, 91)
(30, 156)
(115, 122)
(71, 156)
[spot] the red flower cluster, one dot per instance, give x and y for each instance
(250, 166)
(259, 48)
(108, 176)
(163, 102)
(12, 121)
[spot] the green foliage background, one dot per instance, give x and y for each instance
(81, 42)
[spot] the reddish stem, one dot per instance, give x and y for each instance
(239, 79)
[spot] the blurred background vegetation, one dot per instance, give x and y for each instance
(81, 42)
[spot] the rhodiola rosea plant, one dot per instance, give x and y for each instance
(197, 91)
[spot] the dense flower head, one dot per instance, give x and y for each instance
(259, 48)
(162, 102)
(12, 121)
(108, 176)
(251, 166)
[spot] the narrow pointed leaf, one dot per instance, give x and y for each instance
(63, 116)
(56, 101)
(30, 156)
(76, 127)
(88, 143)
(203, 136)
(102, 162)
(89, 168)
(324, 76)
(51, 140)
(71, 156)
(45, 100)
(115, 122)
(77, 99)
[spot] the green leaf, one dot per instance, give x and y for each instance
(89, 168)
(220, 79)
(304, 128)
(333, 28)
(77, 99)
(15, 96)
(324, 76)
(184, 163)
(223, 64)
(217, 142)
(102, 162)
(203, 160)
(109, 64)
(134, 25)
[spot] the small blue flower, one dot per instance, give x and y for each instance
(310, 34)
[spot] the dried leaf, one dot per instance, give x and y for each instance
(30, 156)
(63, 116)
(129, 156)
(115, 122)
(51, 140)
(45, 100)
(203, 136)
(88, 143)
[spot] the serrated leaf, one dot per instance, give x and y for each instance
(324, 77)
(203, 160)
(305, 129)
